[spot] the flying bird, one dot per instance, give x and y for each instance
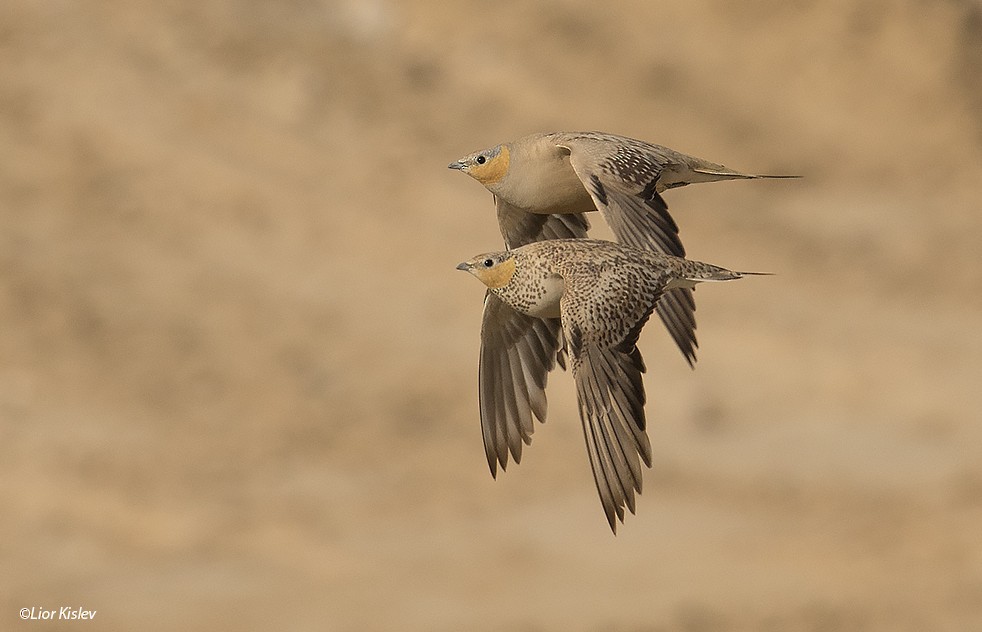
(544, 183)
(588, 299)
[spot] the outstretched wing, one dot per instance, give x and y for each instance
(520, 227)
(607, 368)
(518, 351)
(624, 178)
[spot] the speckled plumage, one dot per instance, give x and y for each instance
(590, 299)
(572, 173)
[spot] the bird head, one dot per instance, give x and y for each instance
(493, 269)
(487, 166)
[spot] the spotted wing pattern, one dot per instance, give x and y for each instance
(624, 178)
(607, 368)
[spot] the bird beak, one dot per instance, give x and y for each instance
(457, 164)
(463, 266)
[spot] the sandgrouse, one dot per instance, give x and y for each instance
(544, 183)
(588, 299)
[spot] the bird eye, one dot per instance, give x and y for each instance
(488, 263)
(480, 160)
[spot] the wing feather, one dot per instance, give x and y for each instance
(625, 188)
(607, 368)
(518, 351)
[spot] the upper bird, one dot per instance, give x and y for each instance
(543, 183)
(599, 295)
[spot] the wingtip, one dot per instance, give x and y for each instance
(690, 359)
(613, 525)
(493, 467)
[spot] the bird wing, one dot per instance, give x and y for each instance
(676, 309)
(520, 227)
(518, 351)
(622, 176)
(607, 368)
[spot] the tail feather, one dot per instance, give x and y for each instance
(693, 272)
(727, 174)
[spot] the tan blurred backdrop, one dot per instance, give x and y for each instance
(238, 368)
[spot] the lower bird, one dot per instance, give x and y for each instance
(588, 299)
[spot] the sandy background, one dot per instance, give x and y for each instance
(238, 368)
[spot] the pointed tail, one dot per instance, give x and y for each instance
(693, 272)
(726, 174)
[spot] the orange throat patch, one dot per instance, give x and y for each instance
(499, 276)
(494, 170)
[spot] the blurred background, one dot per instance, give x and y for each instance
(238, 368)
